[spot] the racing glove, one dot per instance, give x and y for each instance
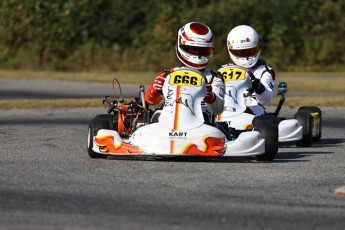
(210, 96)
(257, 86)
(158, 83)
(156, 87)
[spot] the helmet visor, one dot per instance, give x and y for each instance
(196, 50)
(245, 52)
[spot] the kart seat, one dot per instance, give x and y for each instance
(155, 116)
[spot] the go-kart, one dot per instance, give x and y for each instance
(306, 126)
(177, 129)
(302, 130)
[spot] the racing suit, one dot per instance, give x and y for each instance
(153, 97)
(266, 76)
(263, 91)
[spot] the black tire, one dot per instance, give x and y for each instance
(268, 128)
(94, 126)
(305, 120)
(110, 118)
(316, 114)
(223, 126)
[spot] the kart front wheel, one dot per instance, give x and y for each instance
(305, 120)
(268, 128)
(316, 114)
(94, 126)
(110, 118)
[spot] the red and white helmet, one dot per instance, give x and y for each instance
(194, 45)
(243, 46)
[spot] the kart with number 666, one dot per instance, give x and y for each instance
(178, 129)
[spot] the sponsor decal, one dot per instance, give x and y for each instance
(205, 44)
(245, 40)
(182, 40)
(221, 94)
(177, 135)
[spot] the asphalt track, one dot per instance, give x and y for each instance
(43, 89)
(47, 181)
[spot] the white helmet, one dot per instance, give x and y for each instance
(194, 45)
(243, 46)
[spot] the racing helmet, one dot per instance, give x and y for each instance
(243, 46)
(194, 45)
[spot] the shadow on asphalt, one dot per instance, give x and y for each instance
(183, 159)
(282, 156)
(324, 142)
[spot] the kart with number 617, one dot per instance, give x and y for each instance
(303, 129)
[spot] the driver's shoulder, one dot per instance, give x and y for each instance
(261, 68)
(229, 65)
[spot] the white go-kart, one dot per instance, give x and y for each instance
(178, 129)
(302, 130)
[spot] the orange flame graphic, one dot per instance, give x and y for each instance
(213, 147)
(105, 144)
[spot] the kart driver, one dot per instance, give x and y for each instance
(194, 48)
(244, 50)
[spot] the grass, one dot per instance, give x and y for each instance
(125, 77)
(92, 102)
(58, 103)
(314, 82)
(312, 101)
(297, 82)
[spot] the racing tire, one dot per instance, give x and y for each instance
(110, 119)
(223, 126)
(305, 120)
(316, 114)
(268, 128)
(94, 126)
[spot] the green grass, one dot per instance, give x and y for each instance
(312, 101)
(57, 103)
(83, 103)
(297, 82)
(125, 77)
(314, 82)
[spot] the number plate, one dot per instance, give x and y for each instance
(233, 74)
(185, 78)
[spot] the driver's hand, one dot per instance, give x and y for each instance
(210, 96)
(257, 86)
(158, 83)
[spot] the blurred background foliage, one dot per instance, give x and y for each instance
(114, 35)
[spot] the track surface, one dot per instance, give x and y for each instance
(45, 89)
(47, 181)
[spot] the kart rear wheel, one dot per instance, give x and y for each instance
(316, 114)
(223, 126)
(268, 128)
(305, 120)
(94, 126)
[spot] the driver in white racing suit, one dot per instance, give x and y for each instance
(244, 51)
(194, 48)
